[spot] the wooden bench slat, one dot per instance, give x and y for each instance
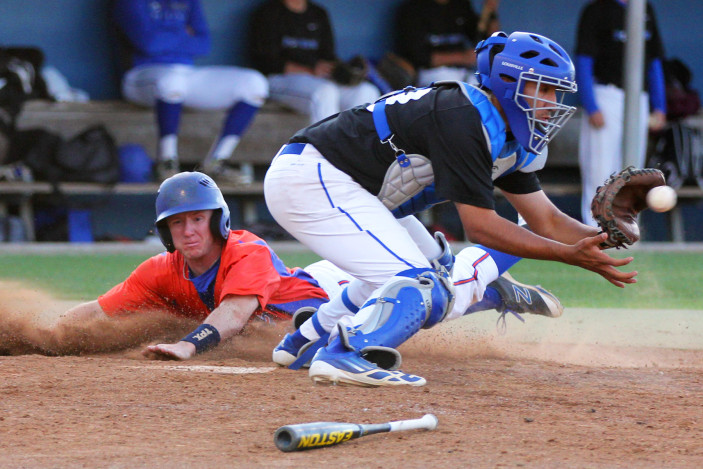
(129, 123)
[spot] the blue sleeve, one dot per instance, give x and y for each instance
(154, 38)
(584, 78)
(199, 43)
(657, 87)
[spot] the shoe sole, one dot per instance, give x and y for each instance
(554, 306)
(324, 373)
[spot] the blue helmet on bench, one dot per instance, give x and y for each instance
(187, 192)
(506, 63)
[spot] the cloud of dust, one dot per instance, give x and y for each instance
(458, 340)
(28, 319)
(255, 343)
(28, 314)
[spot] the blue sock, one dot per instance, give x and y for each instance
(503, 261)
(298, 339)
(491, 300)
(168, 117)
(238, 118)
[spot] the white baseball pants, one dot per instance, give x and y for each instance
(319, 97)
(210, 87)
(601, 150)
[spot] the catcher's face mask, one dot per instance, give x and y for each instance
(541, 98)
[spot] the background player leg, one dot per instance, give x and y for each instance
(313, 96)
(364, 92)
(242, 92)
(168, 117)
(163, 87)
(600, 153)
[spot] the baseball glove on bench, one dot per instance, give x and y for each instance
(618, 201)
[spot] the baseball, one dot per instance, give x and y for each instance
(661, 198)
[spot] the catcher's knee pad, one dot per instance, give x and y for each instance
(413, 299)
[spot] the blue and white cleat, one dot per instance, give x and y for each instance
(286, 352)
(348, 367)
(296, 355)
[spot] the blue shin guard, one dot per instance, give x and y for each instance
(414, 299)
(365, 354)
(397, 315)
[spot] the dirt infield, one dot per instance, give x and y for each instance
(549, 393)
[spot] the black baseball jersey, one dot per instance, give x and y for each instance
(440, 123)
(425, 26)
(602, 34)
(279, 35)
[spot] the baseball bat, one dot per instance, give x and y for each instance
(304, 436)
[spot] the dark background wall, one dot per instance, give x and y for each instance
(75, 34)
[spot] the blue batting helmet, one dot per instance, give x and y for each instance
(506, 63)
(186, 192)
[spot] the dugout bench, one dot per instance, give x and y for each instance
(131, 124)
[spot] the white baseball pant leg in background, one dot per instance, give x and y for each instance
(210, 87)
(600, 150)
(331, 278)
(318, 97)
(427, 76)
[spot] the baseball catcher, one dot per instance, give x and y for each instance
(618, 202)
(448, 142)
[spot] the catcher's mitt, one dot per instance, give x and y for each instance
(618, 201)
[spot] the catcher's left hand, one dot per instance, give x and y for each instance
(618, 201)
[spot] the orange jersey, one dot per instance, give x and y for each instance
(247, 267)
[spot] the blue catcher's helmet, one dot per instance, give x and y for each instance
(506, 63)
(186, 192)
